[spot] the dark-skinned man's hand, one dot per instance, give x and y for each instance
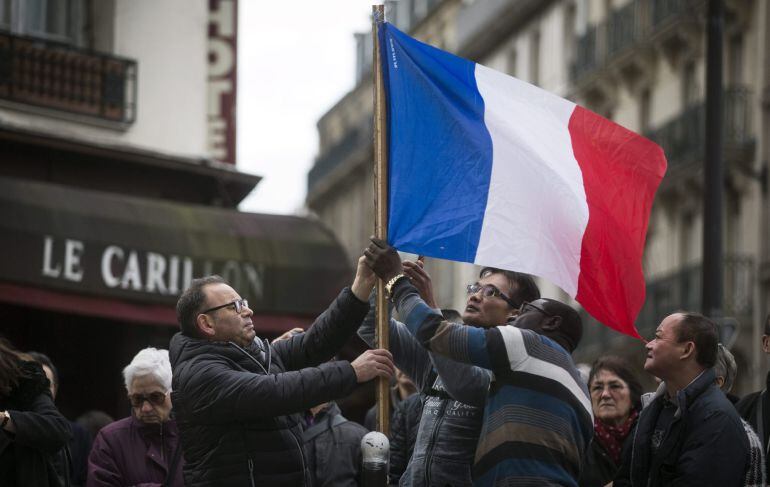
(383, 259)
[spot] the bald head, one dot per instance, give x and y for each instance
(553, 319)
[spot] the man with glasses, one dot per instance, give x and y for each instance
(142, 449)
(238, 399)
(454, 393)
(538, 419)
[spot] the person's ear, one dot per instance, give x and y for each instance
(766, 343)
(551, 323)
(205, 325)
(688, 351)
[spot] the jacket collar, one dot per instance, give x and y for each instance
(167, 428)
(686, 396)
(184, 347)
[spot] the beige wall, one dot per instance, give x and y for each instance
(168, 39)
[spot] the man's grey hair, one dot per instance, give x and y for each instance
(149, 361)
(725, 367)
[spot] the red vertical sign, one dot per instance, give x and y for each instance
(222, 71)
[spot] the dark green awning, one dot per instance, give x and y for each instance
(144, 251)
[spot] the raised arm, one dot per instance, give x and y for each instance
(408, 354)
(332, 329)
(460, 342)
(41, 427)
(217, 393)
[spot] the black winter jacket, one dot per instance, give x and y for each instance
(705, 444)
(403, 434)
(598, 467)
(748, 407)
(333, 449)
(26, 457)
(237, 410)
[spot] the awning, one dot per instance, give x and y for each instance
(128, 258)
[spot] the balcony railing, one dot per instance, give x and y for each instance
(628, 26)
(682, 290)
(682, 138)
(586, 53)
(663, 11)
(353, 141)
(624, 28)
(61, 77)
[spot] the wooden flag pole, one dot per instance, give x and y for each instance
(380, 209)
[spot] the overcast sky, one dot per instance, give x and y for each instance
(295, 60)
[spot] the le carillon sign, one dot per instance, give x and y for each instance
(114, 269)
(148, 251)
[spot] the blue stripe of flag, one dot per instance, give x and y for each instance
(439, 148)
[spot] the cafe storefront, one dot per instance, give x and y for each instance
(90, 277)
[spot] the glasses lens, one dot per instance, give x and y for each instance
(240, 305)
(489, 291)
(156, 398)
(472, 288)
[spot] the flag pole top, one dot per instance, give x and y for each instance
(378, 13)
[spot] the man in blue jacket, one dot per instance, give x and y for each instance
(690, 434)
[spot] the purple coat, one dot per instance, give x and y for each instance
(128, 452)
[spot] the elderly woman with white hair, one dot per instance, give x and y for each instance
(725, 370)
(144, 447)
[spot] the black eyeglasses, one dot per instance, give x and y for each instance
(527, 306)
(489, 291)
(155, 398)
(239, 305)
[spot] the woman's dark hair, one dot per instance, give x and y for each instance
(620, 367)
(10, 368)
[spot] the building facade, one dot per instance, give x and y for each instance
(118, 185)
(640, 63)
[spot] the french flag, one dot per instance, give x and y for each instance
(487, 169)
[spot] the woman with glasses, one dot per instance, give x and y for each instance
(616, 401)
(33, 430)
(142, 449)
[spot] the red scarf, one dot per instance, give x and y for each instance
(612, 437)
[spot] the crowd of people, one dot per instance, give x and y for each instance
(489, 396)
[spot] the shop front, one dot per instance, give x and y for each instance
(89, 278)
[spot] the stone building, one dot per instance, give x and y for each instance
(638, 62)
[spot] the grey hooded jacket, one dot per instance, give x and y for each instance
(452, 413)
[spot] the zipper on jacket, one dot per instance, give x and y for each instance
(301, 455)
(434, 435)
(267, 372)
(251, 472)
(299, 444)
(162, 446)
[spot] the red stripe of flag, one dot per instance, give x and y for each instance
(621, 172)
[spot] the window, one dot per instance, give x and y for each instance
(59, 20)
(5, 14)
(511, 62)
(735, 61)
(690, 91)
(534, 58)
(644, 110)
(570, 19)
